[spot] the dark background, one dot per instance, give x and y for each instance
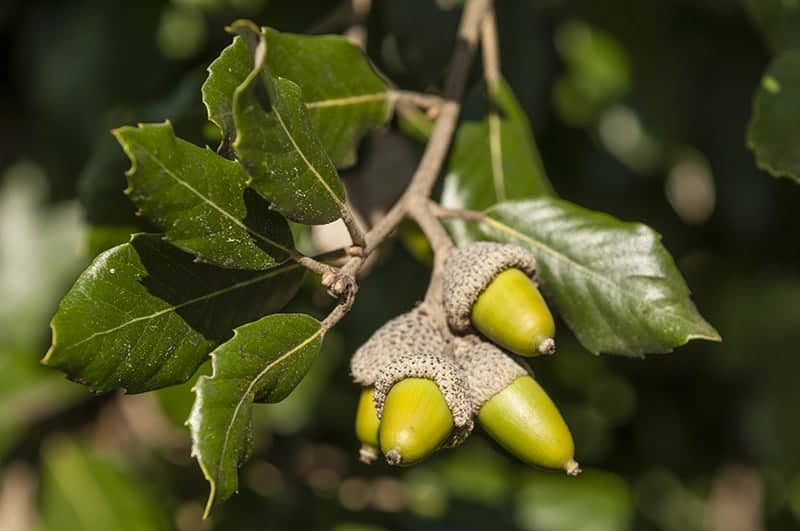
(640, 109)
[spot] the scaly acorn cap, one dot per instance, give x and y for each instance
(513, 408)
(491, 287)
(410, 333)
(469, 269)
(444, 372)
(486, 369)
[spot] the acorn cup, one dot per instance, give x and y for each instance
(491, 287)
(404, 335)
(408, 333)
(423, 404)
(513, 408)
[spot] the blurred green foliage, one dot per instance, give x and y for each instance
(618, 92)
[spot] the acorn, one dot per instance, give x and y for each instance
(367, 424)
(423, 404)
(513, 408)
(491, 287)
(406, 334)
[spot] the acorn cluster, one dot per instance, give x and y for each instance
(427, 374)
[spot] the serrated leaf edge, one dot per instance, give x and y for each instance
(131, 172)
(206, 473)
(259, 67)
(277, 270)
(761, 163)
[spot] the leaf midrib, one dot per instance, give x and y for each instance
(496, 155)
(212, 204)
(308, 164)
(208, 296)
(249, 391)
(346, 101)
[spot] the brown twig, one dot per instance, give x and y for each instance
(418, 99)
(450, 213)
(490, 50)
(353, 228)
(414, 202)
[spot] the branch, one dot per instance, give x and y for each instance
(353, 228)
(490, 49)
(414, 202)
(418, 99)
(449, 213)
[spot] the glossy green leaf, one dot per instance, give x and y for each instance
(778, 20)
(612, 282)
(277, 145)
(494, 160)
(200, 200)
(84, 491)
(593, 501)
(145, 315)
(263, 362)
(344, 96)
(775, 123)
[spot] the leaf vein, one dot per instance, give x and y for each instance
(207, 296)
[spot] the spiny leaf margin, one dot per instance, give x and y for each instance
(263, 362)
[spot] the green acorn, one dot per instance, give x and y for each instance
(423, 404)
(416, 421)
(514, 409)
(367, 425)
(490, 287)
(406, 334)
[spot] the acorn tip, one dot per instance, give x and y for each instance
(573, 468)
(548, 346)
(394, 457)
(367, 454)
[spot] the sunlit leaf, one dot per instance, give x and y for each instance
(612, 282)
(277, 145)
(145, 315)
(344, 96)
(775, 123)
(198, 198)
(494, 160)
(263, 362)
